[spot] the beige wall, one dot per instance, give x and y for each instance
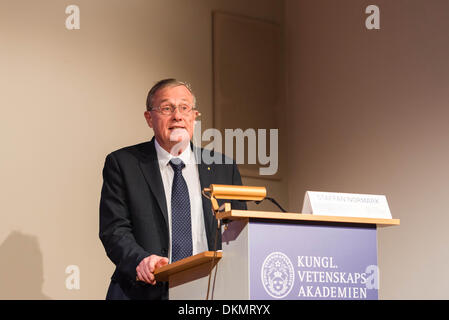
(69, 98)
(369, 114)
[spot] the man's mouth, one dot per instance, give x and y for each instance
(176, 127)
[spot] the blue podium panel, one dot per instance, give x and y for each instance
(292, 260)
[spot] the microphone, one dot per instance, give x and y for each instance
(273, 201)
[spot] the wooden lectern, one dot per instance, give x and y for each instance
(271, 255)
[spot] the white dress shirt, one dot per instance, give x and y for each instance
(191, 176)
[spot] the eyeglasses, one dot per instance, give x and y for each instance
(168, 109)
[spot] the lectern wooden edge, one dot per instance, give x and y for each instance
(188, 269)
(245, 214)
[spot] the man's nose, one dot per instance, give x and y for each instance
(177, 114)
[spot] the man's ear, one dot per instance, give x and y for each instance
(196, 114)
(149, 119)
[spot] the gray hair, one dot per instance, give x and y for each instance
(163, 84)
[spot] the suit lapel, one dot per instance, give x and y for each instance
(150, 169)
(205, 173)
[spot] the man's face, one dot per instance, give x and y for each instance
(169, 130)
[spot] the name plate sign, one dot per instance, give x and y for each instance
(346, 205)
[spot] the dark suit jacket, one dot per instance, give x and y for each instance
(134, 217)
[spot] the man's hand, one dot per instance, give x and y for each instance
(146, 267)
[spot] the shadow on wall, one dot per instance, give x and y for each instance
(21, 268)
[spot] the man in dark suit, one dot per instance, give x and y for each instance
(151, 208)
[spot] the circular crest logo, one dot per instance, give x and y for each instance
(278, 275)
